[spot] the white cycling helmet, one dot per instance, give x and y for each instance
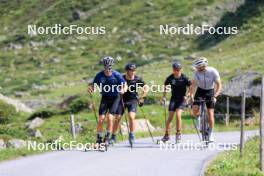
(108, 61)
(200, 61)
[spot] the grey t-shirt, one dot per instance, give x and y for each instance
(206, 80)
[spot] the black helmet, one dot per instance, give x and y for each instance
(130, 66)
(176, 65)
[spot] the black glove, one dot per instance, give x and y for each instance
(141, 102)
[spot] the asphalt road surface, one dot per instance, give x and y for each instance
(145, 159)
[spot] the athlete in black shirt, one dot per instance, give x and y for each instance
(179, 84)
(131, 99)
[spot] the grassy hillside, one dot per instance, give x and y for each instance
(55, 63)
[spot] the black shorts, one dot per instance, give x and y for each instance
(130, 105)
(208, 95)
(109, 104)
(176, 103)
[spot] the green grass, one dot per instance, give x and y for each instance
(8, 154)
(230, 163)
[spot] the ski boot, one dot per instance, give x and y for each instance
(112, 140)
(131, 139)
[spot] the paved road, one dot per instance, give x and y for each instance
(145, 159)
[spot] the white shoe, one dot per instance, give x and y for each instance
(211, 137)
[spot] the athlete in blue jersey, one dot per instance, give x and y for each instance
(111, 85)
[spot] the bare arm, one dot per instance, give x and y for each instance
(192, 88)
(218, 88)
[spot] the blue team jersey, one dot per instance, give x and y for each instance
(113, 81)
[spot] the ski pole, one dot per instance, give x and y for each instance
(146, 121)
(128, 130)
(165, 113)
(94, 109)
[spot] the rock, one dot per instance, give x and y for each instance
(16, 143)
(141, 126)
(20, 37)
(76, 15)
(189, 57)
(65, 103)
(114, 30)
(177, 58)
(149, 4)
(20, 107)
(187, 19)
(78, 128)
(162, 56)
(14, 46)
(118, 58)
(251, 121)
(2, 144)
(35, 123)
(19, 94)
(219, 7)
(247, 81)
(55, 60)
(59, 139)
(36, 133)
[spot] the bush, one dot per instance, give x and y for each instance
(44, 113)
(7, 111)
(79, 104)
(12, 132)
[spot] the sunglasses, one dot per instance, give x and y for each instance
(177, 70)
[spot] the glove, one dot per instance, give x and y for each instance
(214, 99)
(141, 102)
(163, 101)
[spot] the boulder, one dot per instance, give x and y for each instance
(36, 133)
(246, 81)
(35, 123)
(2, 144)
(251, 121)
(251, 83)
(65, 103)
(20, 107)
(78, 128)
(189, 57)
(16, 143)
(141, 126)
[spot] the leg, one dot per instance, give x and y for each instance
(178, 121)
(168, 123)
(196, 111)
(100, 124)
(211, 117)
(132, 116)
(110, 123)
(116, 123)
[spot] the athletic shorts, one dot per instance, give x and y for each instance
(110, 104)
(130, 105)
(208, 95)
(176, 103)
